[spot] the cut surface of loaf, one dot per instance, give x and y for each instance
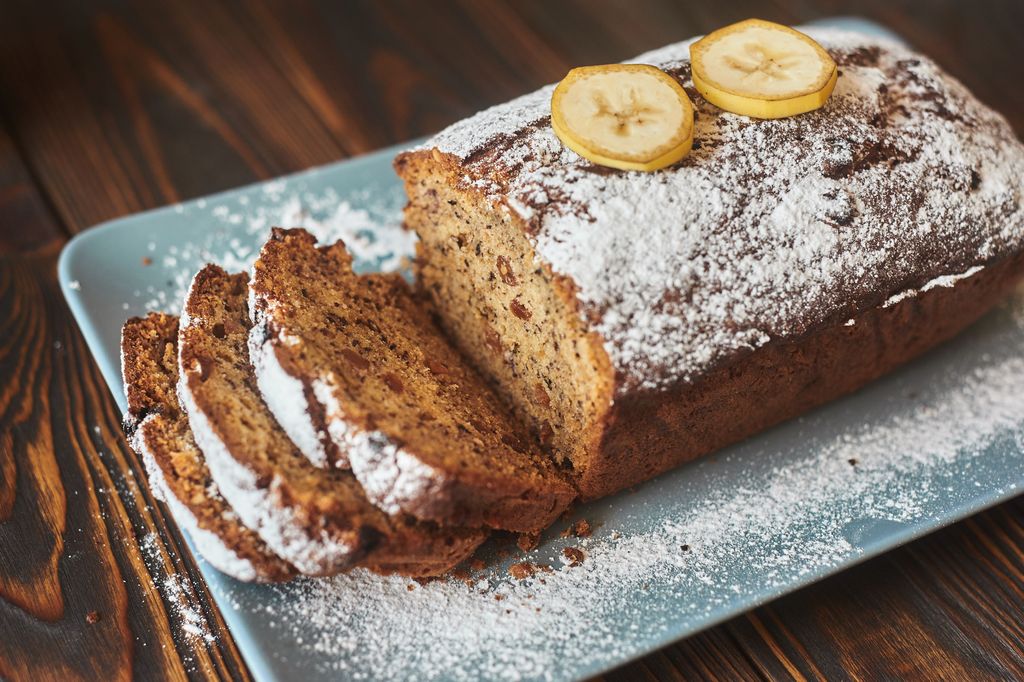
(320, 520)
(421, 430)
(642, 319)
(175, 467)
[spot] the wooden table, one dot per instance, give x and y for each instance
(112, 107)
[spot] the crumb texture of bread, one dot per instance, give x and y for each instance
(639, 319)
(422, 431)
(513, 317)
(319, 519)
(175, 467)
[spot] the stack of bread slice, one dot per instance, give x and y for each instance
(310, 420)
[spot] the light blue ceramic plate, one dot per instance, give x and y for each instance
(931, 444)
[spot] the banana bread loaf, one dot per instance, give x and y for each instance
(639, 320)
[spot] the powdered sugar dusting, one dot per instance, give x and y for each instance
(262, 508)
(177, 589)
(768, 228)
(179, 593)
(947, 281)
(786, 507)
(285, 395)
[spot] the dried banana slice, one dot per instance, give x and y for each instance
(626, 116)
(761, 69)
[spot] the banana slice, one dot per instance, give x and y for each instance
(761, 69)
(626, 116)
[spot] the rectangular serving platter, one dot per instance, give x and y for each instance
(931, 444)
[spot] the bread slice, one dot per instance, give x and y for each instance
(421, 430)
(177, 472)
(319, 520)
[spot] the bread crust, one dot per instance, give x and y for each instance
(645, 434)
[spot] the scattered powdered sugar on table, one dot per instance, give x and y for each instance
(177, 590)
(374, 235)
(721, 533)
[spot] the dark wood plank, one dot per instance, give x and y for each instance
(126, 108)
(116, 106)
(26, 226)
(94, 581)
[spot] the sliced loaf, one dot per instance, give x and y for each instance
(175, 467)
(421, 430)
(641, 320)
(319, 520)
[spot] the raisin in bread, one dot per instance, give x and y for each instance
(639, 320)
(177, 472)
(421, 430)
(319, 520)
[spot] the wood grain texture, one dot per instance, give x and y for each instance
(94, 582)
(111, 107)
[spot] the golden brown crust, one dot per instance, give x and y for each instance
(646, 435)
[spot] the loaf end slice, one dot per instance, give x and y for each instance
(421, 430)
(319, 519)
(175, 467)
